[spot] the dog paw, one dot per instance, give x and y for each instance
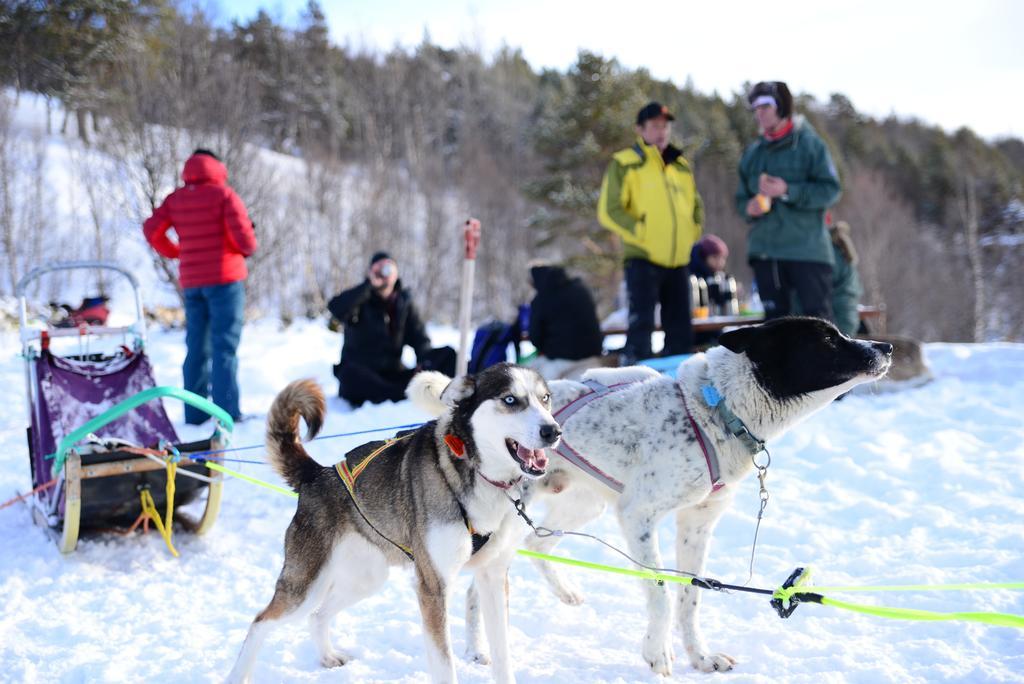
(569, 596)
(659, 657)
(714, 662)
(566, 592)
(334, 659)
(475, 656)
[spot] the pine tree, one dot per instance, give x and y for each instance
(589, 115)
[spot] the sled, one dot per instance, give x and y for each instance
(100, 444)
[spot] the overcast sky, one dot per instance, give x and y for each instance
(946, 63)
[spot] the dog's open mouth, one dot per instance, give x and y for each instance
(531, 461)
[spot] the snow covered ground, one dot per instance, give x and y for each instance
(920, 486)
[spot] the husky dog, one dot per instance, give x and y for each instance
(434, 497)
(651, 445)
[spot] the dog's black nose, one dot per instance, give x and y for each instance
(549, 433)
(884, 347)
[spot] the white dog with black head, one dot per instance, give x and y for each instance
(651, 445)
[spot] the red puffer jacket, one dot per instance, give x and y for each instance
(214, 231)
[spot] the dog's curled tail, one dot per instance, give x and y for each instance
(301, 399)
(426, 389)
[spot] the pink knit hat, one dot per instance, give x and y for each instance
(711, 245)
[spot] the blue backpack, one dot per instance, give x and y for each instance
(491, 341)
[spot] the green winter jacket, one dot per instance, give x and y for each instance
(794, 228)
(653, 206)
(846, 294)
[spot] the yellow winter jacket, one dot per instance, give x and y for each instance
(653, 206)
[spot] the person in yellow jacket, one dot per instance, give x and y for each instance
(650, 200)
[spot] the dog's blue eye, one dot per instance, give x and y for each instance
(510, 400)
(547, 398)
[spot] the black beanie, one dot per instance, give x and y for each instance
(208, 153)
(379, 256)
(778, 91)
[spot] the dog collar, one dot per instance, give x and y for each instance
(501, 485)
(733, 425)
(458, 449)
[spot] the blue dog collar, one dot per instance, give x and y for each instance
(711, 396)
(714, 399)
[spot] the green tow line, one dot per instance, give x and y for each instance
(127, 405)
(242, 476)
(801, 592)
(788, 596)
(641, 574)
(996, 619)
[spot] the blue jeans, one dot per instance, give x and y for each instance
(213, 328)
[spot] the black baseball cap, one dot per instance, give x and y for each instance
(652, 110)
(379, 256)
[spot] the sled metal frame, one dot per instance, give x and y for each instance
(31, 337)
(46, 511)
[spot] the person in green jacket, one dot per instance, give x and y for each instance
(846, 285)
(786, 182)
(650, 200)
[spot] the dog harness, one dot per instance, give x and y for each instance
(348, 478)
(599, 390)
(708, 449)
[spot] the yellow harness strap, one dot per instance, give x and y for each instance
(149, 508)
(348, 477)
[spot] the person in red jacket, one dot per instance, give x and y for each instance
(214, 237)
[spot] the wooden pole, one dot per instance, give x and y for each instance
(471, 241)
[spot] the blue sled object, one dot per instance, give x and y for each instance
(665, 364)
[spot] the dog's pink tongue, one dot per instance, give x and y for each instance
(535, 458)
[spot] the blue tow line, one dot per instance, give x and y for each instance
(204, 455)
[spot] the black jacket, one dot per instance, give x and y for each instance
(376, 330)
(563, 318)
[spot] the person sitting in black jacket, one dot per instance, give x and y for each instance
(708, 257)
(563, 321)
(380, 319)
